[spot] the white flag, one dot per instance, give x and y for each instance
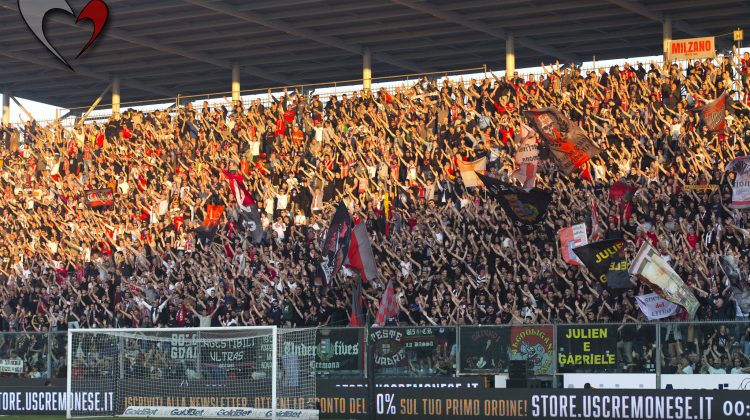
(655, 307)
(527, 157)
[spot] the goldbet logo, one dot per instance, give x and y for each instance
(33, 13)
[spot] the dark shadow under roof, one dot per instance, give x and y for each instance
(161, 48)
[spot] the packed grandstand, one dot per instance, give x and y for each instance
(142, 220)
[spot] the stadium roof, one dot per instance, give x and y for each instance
(161, 48)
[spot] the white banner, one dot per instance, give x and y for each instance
(527, 157)
(11, 366)
(706, 381)
(654, 307)
(218, 413)
(692, 48)
(611, 380)
(741, 188)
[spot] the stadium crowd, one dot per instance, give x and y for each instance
(454, 255)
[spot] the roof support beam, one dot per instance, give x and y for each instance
(484, 28)
(56, 65)
(644, 11)
(303, 33)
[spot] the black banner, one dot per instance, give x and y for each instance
(524, 208)
(338, 349)
(586, 348)
(225, 350)
(606, 261)
(484, 349)
(336, 244)
(393, 346)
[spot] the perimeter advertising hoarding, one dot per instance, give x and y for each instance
(733, 382)
(610, 380)
(448, 398)
(416, 403)
(37, 396)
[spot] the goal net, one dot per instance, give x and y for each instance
(243, 372)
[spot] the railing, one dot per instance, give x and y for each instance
(323, 89)
(654, 348)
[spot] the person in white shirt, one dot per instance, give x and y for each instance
(684, 367)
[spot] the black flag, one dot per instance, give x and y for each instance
(524, 208)
(335, 247)
(606, 260)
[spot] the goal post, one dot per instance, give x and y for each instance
(233, 372)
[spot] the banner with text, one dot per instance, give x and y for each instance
(650, 267)
(338, 349)
(533, 344)
(392, 346)
(11, 366)
(692, 48)
(586, 348)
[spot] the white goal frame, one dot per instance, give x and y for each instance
(274, 354)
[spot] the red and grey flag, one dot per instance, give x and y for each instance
(247, 206)
(388, 306)
(360, 256)
(569, 145)
(713, 115)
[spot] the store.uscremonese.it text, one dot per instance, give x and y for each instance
(621, 406)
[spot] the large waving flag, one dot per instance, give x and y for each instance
(568, 143)
(247, 206)
(524, 208)
(360, 256)
(713, 115)
(606, 261)
(653, 270)
(335, 247)
(388, 306)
